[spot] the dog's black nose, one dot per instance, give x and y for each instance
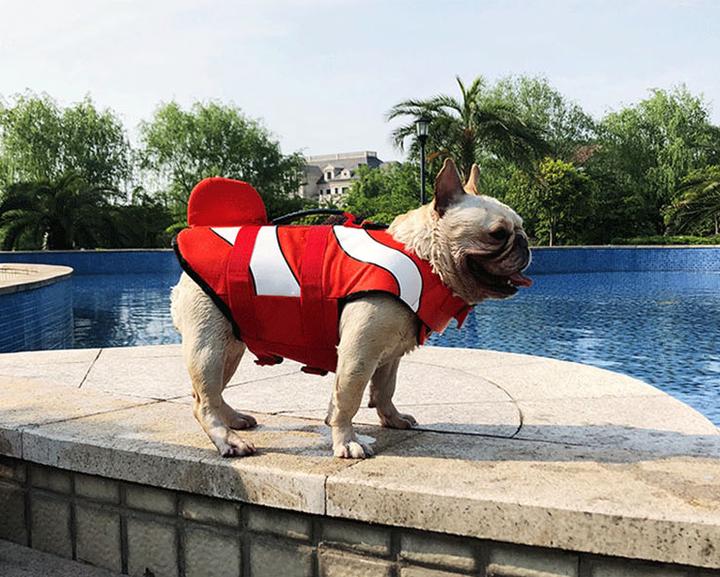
(521, 244)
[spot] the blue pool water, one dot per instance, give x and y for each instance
(123, 310)
(662, 327)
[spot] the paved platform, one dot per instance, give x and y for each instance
(510, 447)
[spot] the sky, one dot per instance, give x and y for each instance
(321, 74)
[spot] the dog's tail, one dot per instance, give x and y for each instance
(225, 202)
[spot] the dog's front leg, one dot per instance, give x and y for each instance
(359, 352)
(382, 388)
(375, 331)
(352, 376)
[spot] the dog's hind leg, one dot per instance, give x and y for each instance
(382, 388)
(211, 353)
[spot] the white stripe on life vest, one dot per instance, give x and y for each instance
(272, 273)
(228, 233)
(358, 244)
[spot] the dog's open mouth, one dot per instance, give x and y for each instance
(501, 286)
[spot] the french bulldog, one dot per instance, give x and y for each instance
(475, 243)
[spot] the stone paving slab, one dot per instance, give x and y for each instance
(643, 423)
(159, 372)
(27, 403)
(559, 454)
(50, 357)
(60, 367)
(554, 379)
(143, 351)
(67, 374)
(418, 384)
(145, 377)
(469, 359)
(499, 419)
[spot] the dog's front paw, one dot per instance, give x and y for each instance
(352, 450)
(234, 446)
(398, 421)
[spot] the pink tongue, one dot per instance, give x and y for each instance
(519, 279)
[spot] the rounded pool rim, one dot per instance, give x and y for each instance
(17, 277)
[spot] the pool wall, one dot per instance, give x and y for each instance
(37, 314)
(625, 259)
(86, 262)
(545, 260)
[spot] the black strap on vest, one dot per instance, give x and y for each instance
(331, 212)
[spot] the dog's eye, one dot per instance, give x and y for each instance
(500, 233)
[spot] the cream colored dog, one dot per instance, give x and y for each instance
(475, 244)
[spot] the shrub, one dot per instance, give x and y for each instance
(668, 240)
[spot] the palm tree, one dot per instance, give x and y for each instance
(698, 205)
(470, 128)
(62, 214)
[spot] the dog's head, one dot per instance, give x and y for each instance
(479, 245)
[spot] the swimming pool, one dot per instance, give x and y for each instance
(661, 327)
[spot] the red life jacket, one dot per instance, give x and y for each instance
(282, 287)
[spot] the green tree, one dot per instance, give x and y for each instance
(141, 223)
(66, 213)
(568, 131)
(645, 151)
(40, 141)
(556, 202)
(468, 129)
(181, 147)
(697, 209)
(565, 126)
(380, 194)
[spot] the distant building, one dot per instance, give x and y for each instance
(328, 177)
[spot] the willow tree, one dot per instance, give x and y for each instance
(43, 142)
(645, 152)
(181, 147)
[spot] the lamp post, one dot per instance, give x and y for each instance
(422, 125)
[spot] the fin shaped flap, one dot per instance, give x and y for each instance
(225, 202)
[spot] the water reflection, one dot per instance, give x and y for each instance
(123, 310)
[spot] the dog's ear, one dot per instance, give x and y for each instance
(471, 184)
(448, 187)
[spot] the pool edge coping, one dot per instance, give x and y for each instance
(41, 275)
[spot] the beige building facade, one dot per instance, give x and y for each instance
(327, 177)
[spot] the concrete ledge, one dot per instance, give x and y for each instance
(22, 277)
(511, 449)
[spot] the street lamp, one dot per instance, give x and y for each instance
(422, 125)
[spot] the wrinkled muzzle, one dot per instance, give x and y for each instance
(500, 274)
